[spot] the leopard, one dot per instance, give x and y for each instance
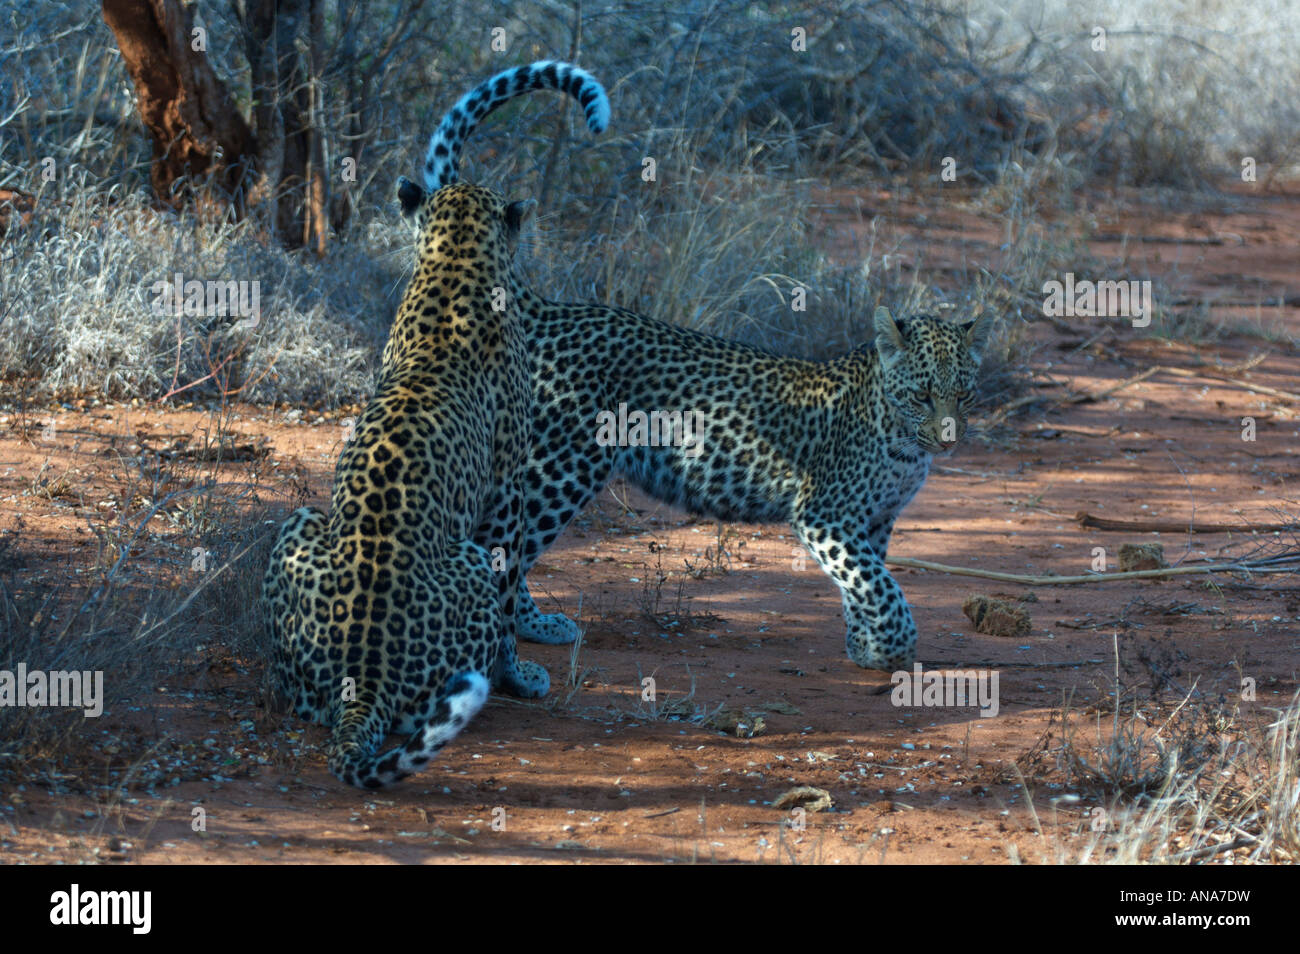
(835, 449)
(386, 613)
(395, 612)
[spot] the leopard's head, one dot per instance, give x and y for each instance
(929, 368)
(447, 215)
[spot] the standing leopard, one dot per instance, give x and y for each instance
(836, 449)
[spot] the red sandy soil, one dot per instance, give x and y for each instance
(596, 774)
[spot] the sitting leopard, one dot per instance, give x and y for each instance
(386, 615)
(392, 612)
(836, 449)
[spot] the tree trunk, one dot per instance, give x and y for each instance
(280, 115)
(316, 229)
(196, 130)
(274, 163)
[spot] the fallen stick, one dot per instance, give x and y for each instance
(1105, 330)
(1080, 397)
(1025, 580)
(1258, 388)
(1159, 239)
(1089, 522)
(1269, 301)
(1253, 361)
(1077, 398)
(1224, 375)
(1107, 392)
(1205, 850)
(999, 414)
(996, 664)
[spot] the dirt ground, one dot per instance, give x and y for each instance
(736, 630)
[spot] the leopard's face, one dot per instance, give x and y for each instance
(929, 370)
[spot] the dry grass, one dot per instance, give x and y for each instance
(79, 315)
(1235, 801)
(181, 552)
(1182, 91)
(1175, 775)
(738, 123)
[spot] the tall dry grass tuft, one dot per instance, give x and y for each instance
(1190, 779)
(1240, 806)
(81, 311)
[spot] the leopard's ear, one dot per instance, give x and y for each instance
(517, 213)
(409, 195)
(889, 340)
(977, 334)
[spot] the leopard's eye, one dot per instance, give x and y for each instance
(920, 397)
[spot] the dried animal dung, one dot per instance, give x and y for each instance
(995, 617)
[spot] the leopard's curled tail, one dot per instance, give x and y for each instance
(442, 161)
